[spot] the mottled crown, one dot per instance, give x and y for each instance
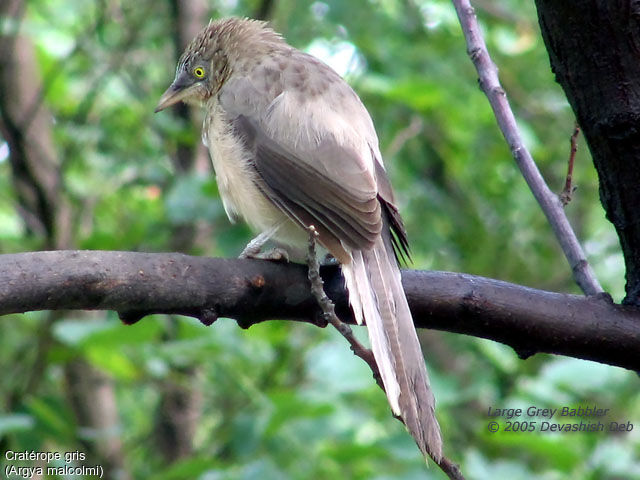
(235, 39)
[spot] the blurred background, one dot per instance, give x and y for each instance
(84, 163)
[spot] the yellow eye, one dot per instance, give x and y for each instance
(198, 72)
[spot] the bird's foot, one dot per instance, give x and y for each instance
(254, 250)
(273, 255)
(254, 247)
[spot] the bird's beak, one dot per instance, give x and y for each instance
(171, 96)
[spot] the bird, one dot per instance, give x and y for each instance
(293, 146)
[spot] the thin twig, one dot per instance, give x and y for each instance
(451, 469)
(403, 136)
(550, 203)
(567, 191)
(329, 312)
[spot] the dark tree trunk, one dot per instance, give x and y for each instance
(594, 48)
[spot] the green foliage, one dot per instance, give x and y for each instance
(290, 401)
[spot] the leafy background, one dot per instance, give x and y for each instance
(283, 400)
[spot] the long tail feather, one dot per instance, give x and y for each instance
(377, 297)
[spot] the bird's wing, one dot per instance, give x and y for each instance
(305, 128)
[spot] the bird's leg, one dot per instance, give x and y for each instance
(254, 248)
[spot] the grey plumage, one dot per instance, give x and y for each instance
(292, 145)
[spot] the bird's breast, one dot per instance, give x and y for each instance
(237, 179)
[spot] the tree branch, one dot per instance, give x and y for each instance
(253, 291)
(549, 201)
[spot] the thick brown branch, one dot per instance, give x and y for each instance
(252, 291)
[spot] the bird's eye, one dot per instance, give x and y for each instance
(198, 72)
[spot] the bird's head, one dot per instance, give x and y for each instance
(201, 71)
(210, 58)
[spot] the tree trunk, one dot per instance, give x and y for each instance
(25, 124)
(594, 48)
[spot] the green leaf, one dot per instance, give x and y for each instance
(111, 361)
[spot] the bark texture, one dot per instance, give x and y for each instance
(594, 48)
(253, 291)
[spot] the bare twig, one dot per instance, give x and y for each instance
(550, 203)
(567, 191)
(451, 469)
(329, 311)
(403, 136)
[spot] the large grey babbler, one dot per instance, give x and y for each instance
(292, 145)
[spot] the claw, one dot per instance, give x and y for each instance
(274, 255)
(254, 247)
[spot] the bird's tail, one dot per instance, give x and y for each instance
(376, 295)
